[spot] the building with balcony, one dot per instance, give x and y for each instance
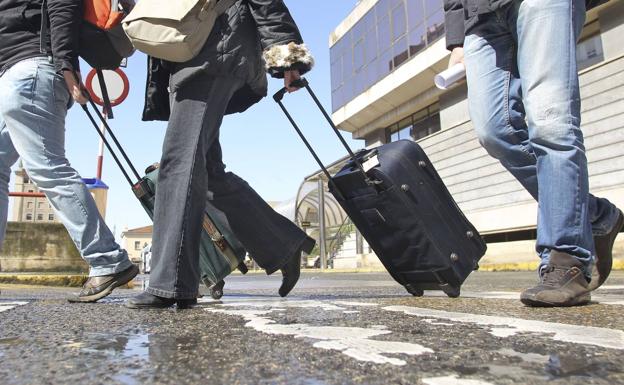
(384, 56)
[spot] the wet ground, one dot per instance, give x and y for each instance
(334, 329)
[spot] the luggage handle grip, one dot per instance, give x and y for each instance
(303, 83)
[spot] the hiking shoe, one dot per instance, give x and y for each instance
(563, 284)
(97, 288)
(604, 253)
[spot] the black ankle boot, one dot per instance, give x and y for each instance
(292, 269)
(146, 300)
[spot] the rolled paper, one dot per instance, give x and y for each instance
(447, 78)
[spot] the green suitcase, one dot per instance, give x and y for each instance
(220, 252)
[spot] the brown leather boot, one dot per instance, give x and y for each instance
(563, 284)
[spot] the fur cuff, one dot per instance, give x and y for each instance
(280, 58)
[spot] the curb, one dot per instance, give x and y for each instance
(66, 280)
(58, 280)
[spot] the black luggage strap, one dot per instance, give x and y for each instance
(303, 83)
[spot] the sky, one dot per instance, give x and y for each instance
(258, 145)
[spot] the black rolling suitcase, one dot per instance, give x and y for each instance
(397, 200)
(220, 252)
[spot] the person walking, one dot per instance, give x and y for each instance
(39, 80)
(523, 95)
(228, 76)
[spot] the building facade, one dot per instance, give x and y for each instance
(384, 57)
(39, 209)
(134, 241)
(30, 209)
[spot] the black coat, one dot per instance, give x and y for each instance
(251, 38)
(20, 27)
(461, 15)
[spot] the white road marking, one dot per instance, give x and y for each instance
(352, 303)
(611, 287)
(5, 306)
(452, 380)
(354, 342)
(507, 327)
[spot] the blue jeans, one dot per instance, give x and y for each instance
(33, 104)
(524, 102)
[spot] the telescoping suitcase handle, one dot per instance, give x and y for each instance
(303, 83)
(108, 145)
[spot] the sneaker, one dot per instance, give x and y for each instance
(604, 254)
(97, 288)
(563, 284)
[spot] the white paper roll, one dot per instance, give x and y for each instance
(445, 79)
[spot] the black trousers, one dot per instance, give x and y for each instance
(190, 168)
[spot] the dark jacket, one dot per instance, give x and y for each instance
(20, 28)
(253, 37)
(462, 15)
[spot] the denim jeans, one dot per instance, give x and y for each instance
(191, 169)
(524, 102)
(33, 104)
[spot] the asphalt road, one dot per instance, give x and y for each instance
(333, 329)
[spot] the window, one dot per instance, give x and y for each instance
(29, 217)
(40, 205)
(390, 34)
(30, 191)
(399, 24)
(417, 40)
(29, 205)
(417, 126)
(50, 217)
(39, 217)
(137, 245)
(435, 26)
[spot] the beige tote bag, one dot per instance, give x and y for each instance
(174, 30)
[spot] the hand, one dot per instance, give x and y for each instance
(457, 56)
(289, 77)
(76, 88)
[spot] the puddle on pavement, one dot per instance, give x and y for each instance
(551, 366)
(560, 366)
(527, 357)
(134, 345)
(10, 341)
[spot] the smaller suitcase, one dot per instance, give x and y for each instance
(220, 251)
(397, 200)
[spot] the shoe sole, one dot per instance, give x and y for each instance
(602, 277)
(178, 305)
(577, 301)
(122, 280)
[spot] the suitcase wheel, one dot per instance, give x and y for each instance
(243, 268)
(416, 292)
(216, 292)
(451, 291)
